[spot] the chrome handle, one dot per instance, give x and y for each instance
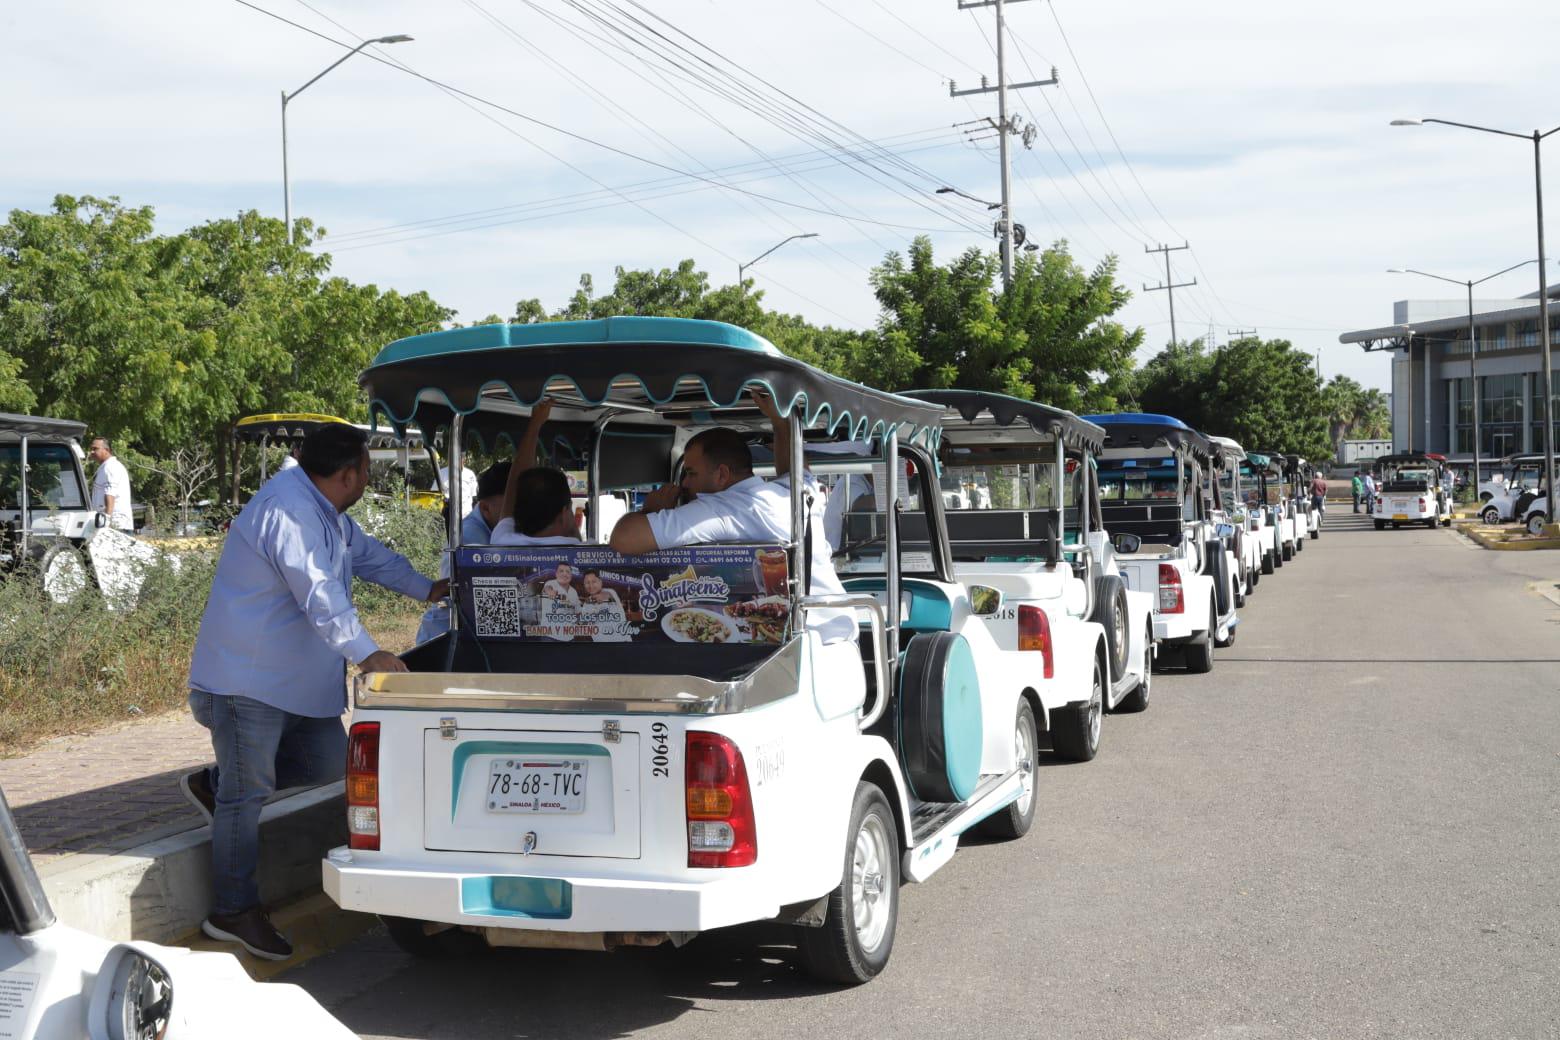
(879, 624)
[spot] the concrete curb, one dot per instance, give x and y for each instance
(161, 891)
(1497, 541)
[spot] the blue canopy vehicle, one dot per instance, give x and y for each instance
(697, 736)
(1153, 487)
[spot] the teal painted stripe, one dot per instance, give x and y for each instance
(464, 752)
(549, 899)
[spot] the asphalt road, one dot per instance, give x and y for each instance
(1351, 828)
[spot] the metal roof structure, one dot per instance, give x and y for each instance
(1395, 337)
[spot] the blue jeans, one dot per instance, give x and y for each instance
(260, 750)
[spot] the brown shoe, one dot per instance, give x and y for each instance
(252, 930)
(197, 788)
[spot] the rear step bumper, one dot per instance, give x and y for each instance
(1173, 626)
(561, 903)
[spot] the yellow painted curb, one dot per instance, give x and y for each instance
(1494, 538)
(314, 925)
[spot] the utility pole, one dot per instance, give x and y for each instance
(1169, 285)
(1005, 126)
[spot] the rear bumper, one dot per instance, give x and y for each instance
(546, 902)
(1172, 627)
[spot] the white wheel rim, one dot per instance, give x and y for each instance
(1024, 756)
(64, 577)
(869, 882)
(1119, 628)
(1096, 711)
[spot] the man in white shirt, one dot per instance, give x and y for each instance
(290, 459)
(468, 487)
(730, 504)
(111, 486)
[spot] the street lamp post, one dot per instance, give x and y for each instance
(1473, 349)
(1543, 289)
(760, 256)
(286, 97)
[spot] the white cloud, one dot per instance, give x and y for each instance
(1260, 130)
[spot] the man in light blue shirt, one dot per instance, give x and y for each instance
(268, 677)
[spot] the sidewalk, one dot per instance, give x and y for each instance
(122, 855)
(106, 791)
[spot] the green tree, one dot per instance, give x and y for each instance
(1262, 393)
(1354, 411)
(1175, 382)
(1049, 337)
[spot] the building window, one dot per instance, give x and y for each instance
(1536, 409)
(1500, 415)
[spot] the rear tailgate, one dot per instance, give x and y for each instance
(553, 792)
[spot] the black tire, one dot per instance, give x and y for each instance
(1110, 610)
(1014, 822)
(1300, 544)
(451, 943)
(1075, 731)
(834, 951)
(1446, 521)
(1430, 523)
(1535, 523)
(1253, 577)
(1199, 652)
(1316, 532)
(1240, 588)
(1381, 525)
(1490, 517)
(1268, 566)
(1289, 551)
(1137, 700)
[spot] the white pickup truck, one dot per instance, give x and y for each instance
(1412, 491)
(611, 750)
(1153, 503)
(1040, 542)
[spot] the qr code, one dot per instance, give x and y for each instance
(497, 609)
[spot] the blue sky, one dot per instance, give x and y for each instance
(1258, 132)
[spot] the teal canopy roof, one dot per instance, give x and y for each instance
(676, 367)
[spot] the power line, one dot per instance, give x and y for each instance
(457, 91)
(738, 173)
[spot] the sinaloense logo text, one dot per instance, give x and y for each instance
(654, 598)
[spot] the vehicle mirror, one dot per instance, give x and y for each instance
(985, 600)
(100, 520)
(1127, 543)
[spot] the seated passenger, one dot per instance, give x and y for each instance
(476, 527)
(728, 503)
(538, 510)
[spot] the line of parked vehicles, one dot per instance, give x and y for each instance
(687, 741)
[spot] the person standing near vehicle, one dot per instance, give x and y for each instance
(1368, 486)
(268, 675)
(111, 486)
(1356, 488)
(1318, 495)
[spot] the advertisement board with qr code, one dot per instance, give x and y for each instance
(712, 594)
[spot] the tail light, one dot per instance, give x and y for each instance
(1423, 504)
(721, 832)
(363, 786)
(1170, 599)
(1034, 633)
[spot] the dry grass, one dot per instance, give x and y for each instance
(66, 668)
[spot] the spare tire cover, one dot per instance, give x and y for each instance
(940, 726)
